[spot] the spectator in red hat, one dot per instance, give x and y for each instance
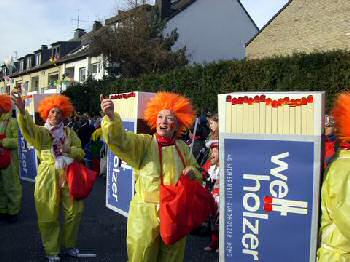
(214, 182)
(330, 140)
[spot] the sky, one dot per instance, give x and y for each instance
(27, 24)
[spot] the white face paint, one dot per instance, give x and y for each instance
(55, 116)
(166, 123)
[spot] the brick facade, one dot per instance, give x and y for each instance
(304, 26)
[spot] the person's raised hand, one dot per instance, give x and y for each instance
(107, 107)
(17, 99)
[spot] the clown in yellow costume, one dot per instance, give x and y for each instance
(169, 114)
(10, 186)
(335, 194)
(56, 148)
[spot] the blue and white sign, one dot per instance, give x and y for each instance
(120, 180)
(28, 164)
(270, 198)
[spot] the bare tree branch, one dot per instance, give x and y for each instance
(136, 42)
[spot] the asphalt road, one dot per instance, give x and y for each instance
(102, 232)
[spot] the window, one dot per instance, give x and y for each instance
(95, 68)
(25, 87)
(21, 65)
(53, 81)
(29, 62)
(82, 74)
(56, 52)
(69, 73)
(37, 59)
(18, 84)
(35, 83)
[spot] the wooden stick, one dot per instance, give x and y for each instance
(280, 112)
(245, 115)
(250, 118)
(228, 124)
(234, 113)
(256, 112)
(304, 129)
(310, 115)
(268, 116)
(274, 117)
(286, 117)
(292, 106)
(240, 113)
(262, 114)
(298, 117)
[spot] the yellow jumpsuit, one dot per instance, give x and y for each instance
(96, 135)
(49, 193)
(10, 186)
(140, 151)
(335, 205)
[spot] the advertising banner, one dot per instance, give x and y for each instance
(119, 180)
(270, 206)
(27, 159)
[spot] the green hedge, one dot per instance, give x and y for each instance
(327, 71)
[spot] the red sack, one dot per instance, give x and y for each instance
(5, 155)
(183, 207)
(80, 180)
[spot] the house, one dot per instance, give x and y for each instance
(210, 30)
(303, 26)
(51, 70)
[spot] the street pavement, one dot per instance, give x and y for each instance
(102, 232)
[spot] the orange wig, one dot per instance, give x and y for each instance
(180, 106)
(341, 114)
(60, 101)
(5, 103)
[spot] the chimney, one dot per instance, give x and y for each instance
(78, 33)
(164, 8)
(97, 25)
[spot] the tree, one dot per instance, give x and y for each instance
(135, 41)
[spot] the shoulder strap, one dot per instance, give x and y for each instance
(180, 155)
(161, 159)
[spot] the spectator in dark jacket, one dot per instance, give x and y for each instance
(85, 132)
